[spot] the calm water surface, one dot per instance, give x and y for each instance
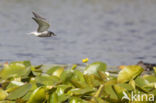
(114, 31)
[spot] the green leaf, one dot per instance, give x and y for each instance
(132, 83)
(78, 91)
(98, 100)
(77, 100)
(58, 94)
(61, 92)
(150, 78)
(99, 91)
(66, 76)
(53, 69)
(58, 72)
(38, 95)
(141, 82)
(13, 70)
(92, 80)
(95, 67)
(54, 98)
(13, 85)
(110, 92)
(128, 73)
(126, 86)
(144, 84)
(6, 101)
(19, 92)
(78, 84)
(3, 94)
(119, 91)
(78, 75)
(47, 80)
(27, 96)
(26, 63)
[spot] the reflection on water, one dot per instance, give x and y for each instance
(114, 31)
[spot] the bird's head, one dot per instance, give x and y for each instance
(51, 33)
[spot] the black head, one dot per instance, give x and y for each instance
(52, 34)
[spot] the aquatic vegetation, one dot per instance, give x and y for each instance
(21, 82)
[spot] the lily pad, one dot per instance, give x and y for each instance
(26, 63)
(47, 80)
(60, 95)
(141, 82)
(19, 92)
(110, 92)
(77, 100)
(150, 78)
(78, 91)
(3, 94)
(95, 67)
(66, 76)
(119, 91)
(38, 96)
(58, 72)
(51, 70)
(13, 70)
(128, 73)
(13, 85)
(78, 75)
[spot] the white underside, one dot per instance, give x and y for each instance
(38, 33)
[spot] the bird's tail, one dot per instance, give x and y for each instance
(30, 33)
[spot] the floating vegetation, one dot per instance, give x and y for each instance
(21, 82)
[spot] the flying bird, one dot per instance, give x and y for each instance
(43, 26)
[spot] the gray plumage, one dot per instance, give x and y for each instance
(43, 26)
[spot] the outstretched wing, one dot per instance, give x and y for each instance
(37, 15)
(43, 24)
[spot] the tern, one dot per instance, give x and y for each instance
(43, 26)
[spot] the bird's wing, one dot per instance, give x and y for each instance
(37, 15)
(43, 25)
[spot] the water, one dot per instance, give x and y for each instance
(114, 31)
